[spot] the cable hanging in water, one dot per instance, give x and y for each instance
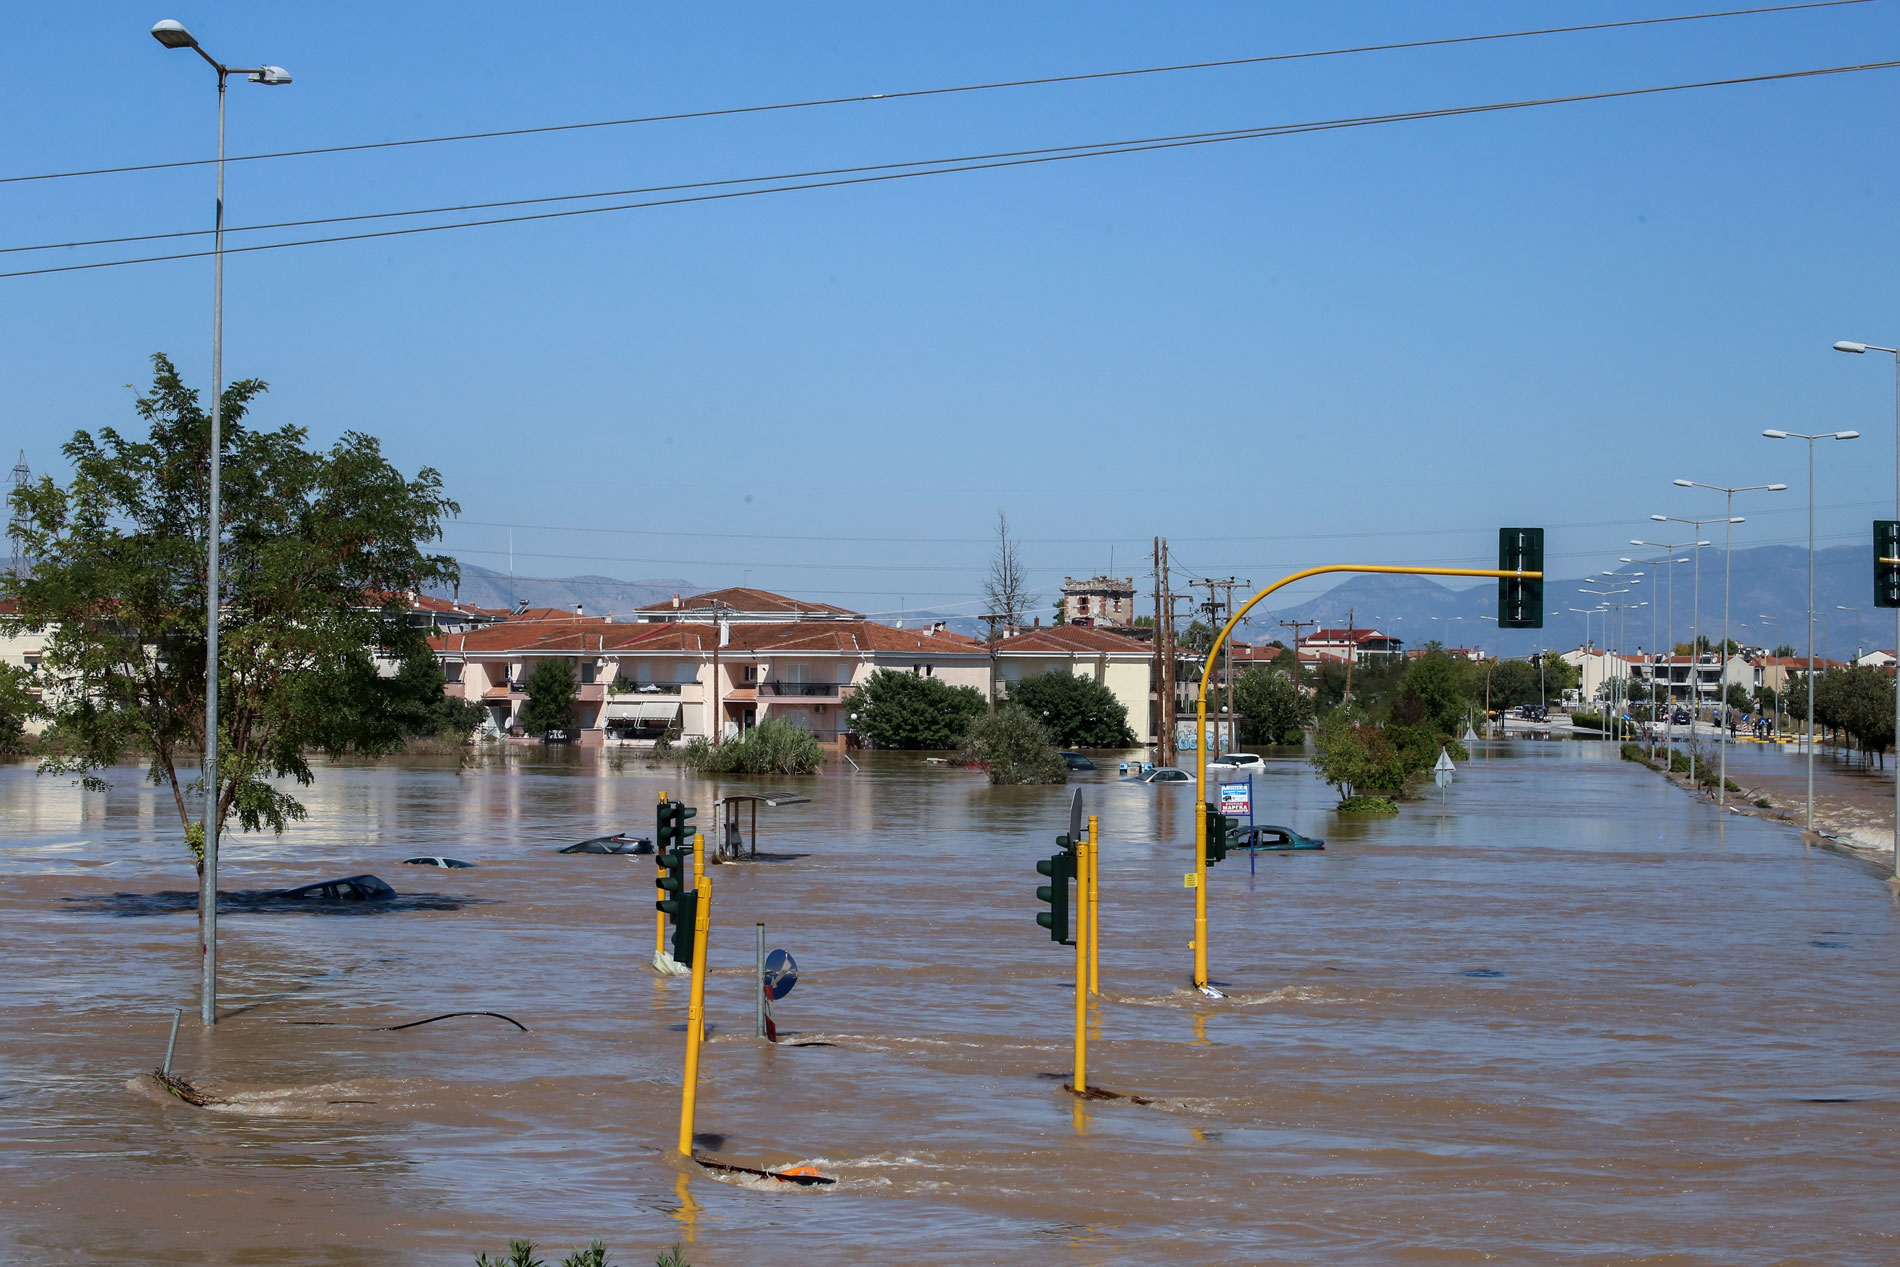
(938, 92)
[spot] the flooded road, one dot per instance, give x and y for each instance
(1572, 1016)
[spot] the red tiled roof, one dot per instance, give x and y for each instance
(1346, 635)
(850, 637)
(745, 599)
(1069, 639)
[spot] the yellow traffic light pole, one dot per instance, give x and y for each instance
(696, 1009)
(1095, 925)
(1200, 719)
(1084, 864)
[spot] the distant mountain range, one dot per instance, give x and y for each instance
(1768, 581)
(598, 595)
(1768, 604)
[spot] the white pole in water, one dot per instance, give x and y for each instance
(759, 979)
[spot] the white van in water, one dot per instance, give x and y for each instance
(1244, 762)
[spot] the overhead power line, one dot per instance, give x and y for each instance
(1017, 158)
(906, 94)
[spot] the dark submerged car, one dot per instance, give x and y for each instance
(1278, 839)
(1076, 761)
(355, 888)
(618, 843)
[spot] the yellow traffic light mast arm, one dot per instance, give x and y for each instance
(1200, 715)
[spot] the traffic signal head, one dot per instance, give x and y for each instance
(672, 818)
(1060, 868)
(679, 904)
(1220, 829)
(1886, 574)
(1520, 598)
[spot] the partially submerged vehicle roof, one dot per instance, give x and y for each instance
(435, 860)
(1168, 774)
(352, 888)
(622, 842)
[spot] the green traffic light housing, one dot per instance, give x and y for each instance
(1886, 570)
(1220, 833)
(1060, 869)
(1521, 598)
(673, 853)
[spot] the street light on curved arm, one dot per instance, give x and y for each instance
(1861, 349)
(172, 34)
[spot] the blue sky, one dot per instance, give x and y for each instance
(1374, 344)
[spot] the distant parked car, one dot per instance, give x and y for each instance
(1168, 774)
(435, 860)
(1245, 762)
(1076, 761)
(622, 842)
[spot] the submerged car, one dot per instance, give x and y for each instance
(620, 843)
(1167, 774)
(1246, 762)
(1076, 761)
(435, 860)
(354, 888)
(1266, 836)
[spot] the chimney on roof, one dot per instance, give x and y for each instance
(1038, 624)
(579, 610)
(609, 618)
(676, 598)
(939, 627)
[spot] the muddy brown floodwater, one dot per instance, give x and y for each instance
(1572, 1016)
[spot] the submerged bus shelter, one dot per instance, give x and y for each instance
(728, 810)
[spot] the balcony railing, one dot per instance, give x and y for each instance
(809, 690)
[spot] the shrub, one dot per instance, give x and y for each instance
(1015, 748)
(1634, 752)
(771, 747)
(1367, 805)
(893, 709)
(1355, 757)
(1762, 802)
(1587, 721)
(1078, 712)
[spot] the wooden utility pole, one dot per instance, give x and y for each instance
(1296, 626)
(1164, 635)
(1227, 664)
(1352, 614)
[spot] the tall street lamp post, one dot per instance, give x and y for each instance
(1776, 434)
(1655, 607)
(174, 35)
(1695, 634)
(1669, 635)
(1609, 681)
(1847, 345)
(1728, 554)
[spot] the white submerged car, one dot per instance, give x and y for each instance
(1241, 762)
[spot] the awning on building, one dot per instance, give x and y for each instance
(644, 711)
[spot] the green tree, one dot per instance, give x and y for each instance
(310, 538)
(1441, 683)
(1513, 682)
(552, 694)
(1738, 697)
(1078, 712)
(1356, 758)
(894, 709)
(17, 705)
(1274, 709)
(1765, 700)
(1014, 747)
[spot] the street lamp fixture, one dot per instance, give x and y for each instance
(1777, 434)
(1728, 560)
(1861, 349)
(172, 34)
